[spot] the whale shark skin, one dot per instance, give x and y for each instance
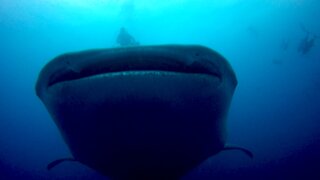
(145, 112)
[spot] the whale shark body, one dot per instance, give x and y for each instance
(145, 112)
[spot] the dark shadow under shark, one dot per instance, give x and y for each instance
(145, 112)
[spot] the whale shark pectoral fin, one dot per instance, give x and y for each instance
(57, 162)
(246, 151)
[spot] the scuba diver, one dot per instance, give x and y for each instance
(307, 43)
(125, 39)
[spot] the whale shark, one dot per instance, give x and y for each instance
(142, 112)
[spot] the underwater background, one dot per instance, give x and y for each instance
(272, 45)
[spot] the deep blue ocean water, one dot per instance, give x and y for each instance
(275, 111)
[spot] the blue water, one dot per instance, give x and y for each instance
(276, 107)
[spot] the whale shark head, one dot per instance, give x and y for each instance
(147, 112)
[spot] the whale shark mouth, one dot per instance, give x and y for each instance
(163, 67)
(128, 63)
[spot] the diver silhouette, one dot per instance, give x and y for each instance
(125, 39)
(308, 42)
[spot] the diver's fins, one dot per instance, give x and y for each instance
(58, 161)
(246, 151)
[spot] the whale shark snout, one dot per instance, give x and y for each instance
(146, 112)
(184, 59)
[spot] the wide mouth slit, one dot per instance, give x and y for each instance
(69, 74)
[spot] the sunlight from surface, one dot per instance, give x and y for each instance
(101, 6)
(20, 10)
(34, 12)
